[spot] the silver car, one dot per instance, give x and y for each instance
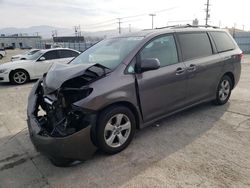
(121, 84)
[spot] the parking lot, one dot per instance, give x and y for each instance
(206, 146)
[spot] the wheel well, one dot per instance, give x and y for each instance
(11, 72)
(230, 74)
(128, 105)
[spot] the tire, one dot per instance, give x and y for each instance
(223, 91)
(1, 57)
(19, 77)
(60, 162)
(115, 129)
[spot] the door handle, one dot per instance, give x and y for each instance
(191, 68)
(180, 70)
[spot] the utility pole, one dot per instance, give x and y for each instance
(207, 12)
(152, 15)
(129, 28)
(54, 33)
(119, 25)
(234, 30)
(243, 27)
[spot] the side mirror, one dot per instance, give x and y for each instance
(42, 58)
(150, 64)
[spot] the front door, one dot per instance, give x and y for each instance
(163, 90)
(43, 64)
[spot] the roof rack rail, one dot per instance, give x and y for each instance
(187, 26)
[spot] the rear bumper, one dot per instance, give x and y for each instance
(77, 146)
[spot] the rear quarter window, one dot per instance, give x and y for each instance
(194, 45)
(67, 53)
(222, 41)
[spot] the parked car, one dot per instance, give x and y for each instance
(2, 53)
(25, 55)
(26, 47)
(125, 83)
(19, 72)
(9, 48)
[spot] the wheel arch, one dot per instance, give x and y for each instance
(14, 70)
(231, 76)
(129, 106)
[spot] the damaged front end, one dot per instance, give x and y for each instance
(57, 126)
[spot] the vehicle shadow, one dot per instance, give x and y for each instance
(149, 146)
(9, 85)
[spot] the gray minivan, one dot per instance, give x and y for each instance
(121, 84)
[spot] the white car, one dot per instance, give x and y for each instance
(2, 53)
(19, 72)
(24, 56)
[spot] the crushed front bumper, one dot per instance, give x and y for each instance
(77, 146)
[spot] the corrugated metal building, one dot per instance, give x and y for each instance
(19, 41)
(243, 40)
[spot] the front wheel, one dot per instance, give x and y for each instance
(223, 90)
(19, 77)
(115, 129)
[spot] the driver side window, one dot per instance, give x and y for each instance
(162, 48)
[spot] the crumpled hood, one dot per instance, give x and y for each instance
(59, 73)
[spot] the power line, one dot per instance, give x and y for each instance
(100, 23)
(124, 19)
(104, 25)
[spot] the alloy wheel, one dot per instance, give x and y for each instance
(224, 90)
(19, 77)
(117, 130)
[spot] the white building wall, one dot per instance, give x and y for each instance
(19, 42)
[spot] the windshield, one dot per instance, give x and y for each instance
(35, 55)
(32, 52)
(109, 52)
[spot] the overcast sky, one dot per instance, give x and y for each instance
(89, 13)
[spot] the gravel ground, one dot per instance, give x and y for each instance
(206, 146)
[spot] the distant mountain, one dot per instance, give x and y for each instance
(46, 31)
(43, 30)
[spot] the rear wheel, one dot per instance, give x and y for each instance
(19, 77)
(223, 90)
(115, 129)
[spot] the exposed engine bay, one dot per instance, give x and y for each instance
(55, 110)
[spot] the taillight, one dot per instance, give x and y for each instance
(241, 56)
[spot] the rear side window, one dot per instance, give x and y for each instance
(67, 53)
(51, 55)
(222, 41)
(195, 45)
(162, 48)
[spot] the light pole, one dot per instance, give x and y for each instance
(152, 15)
